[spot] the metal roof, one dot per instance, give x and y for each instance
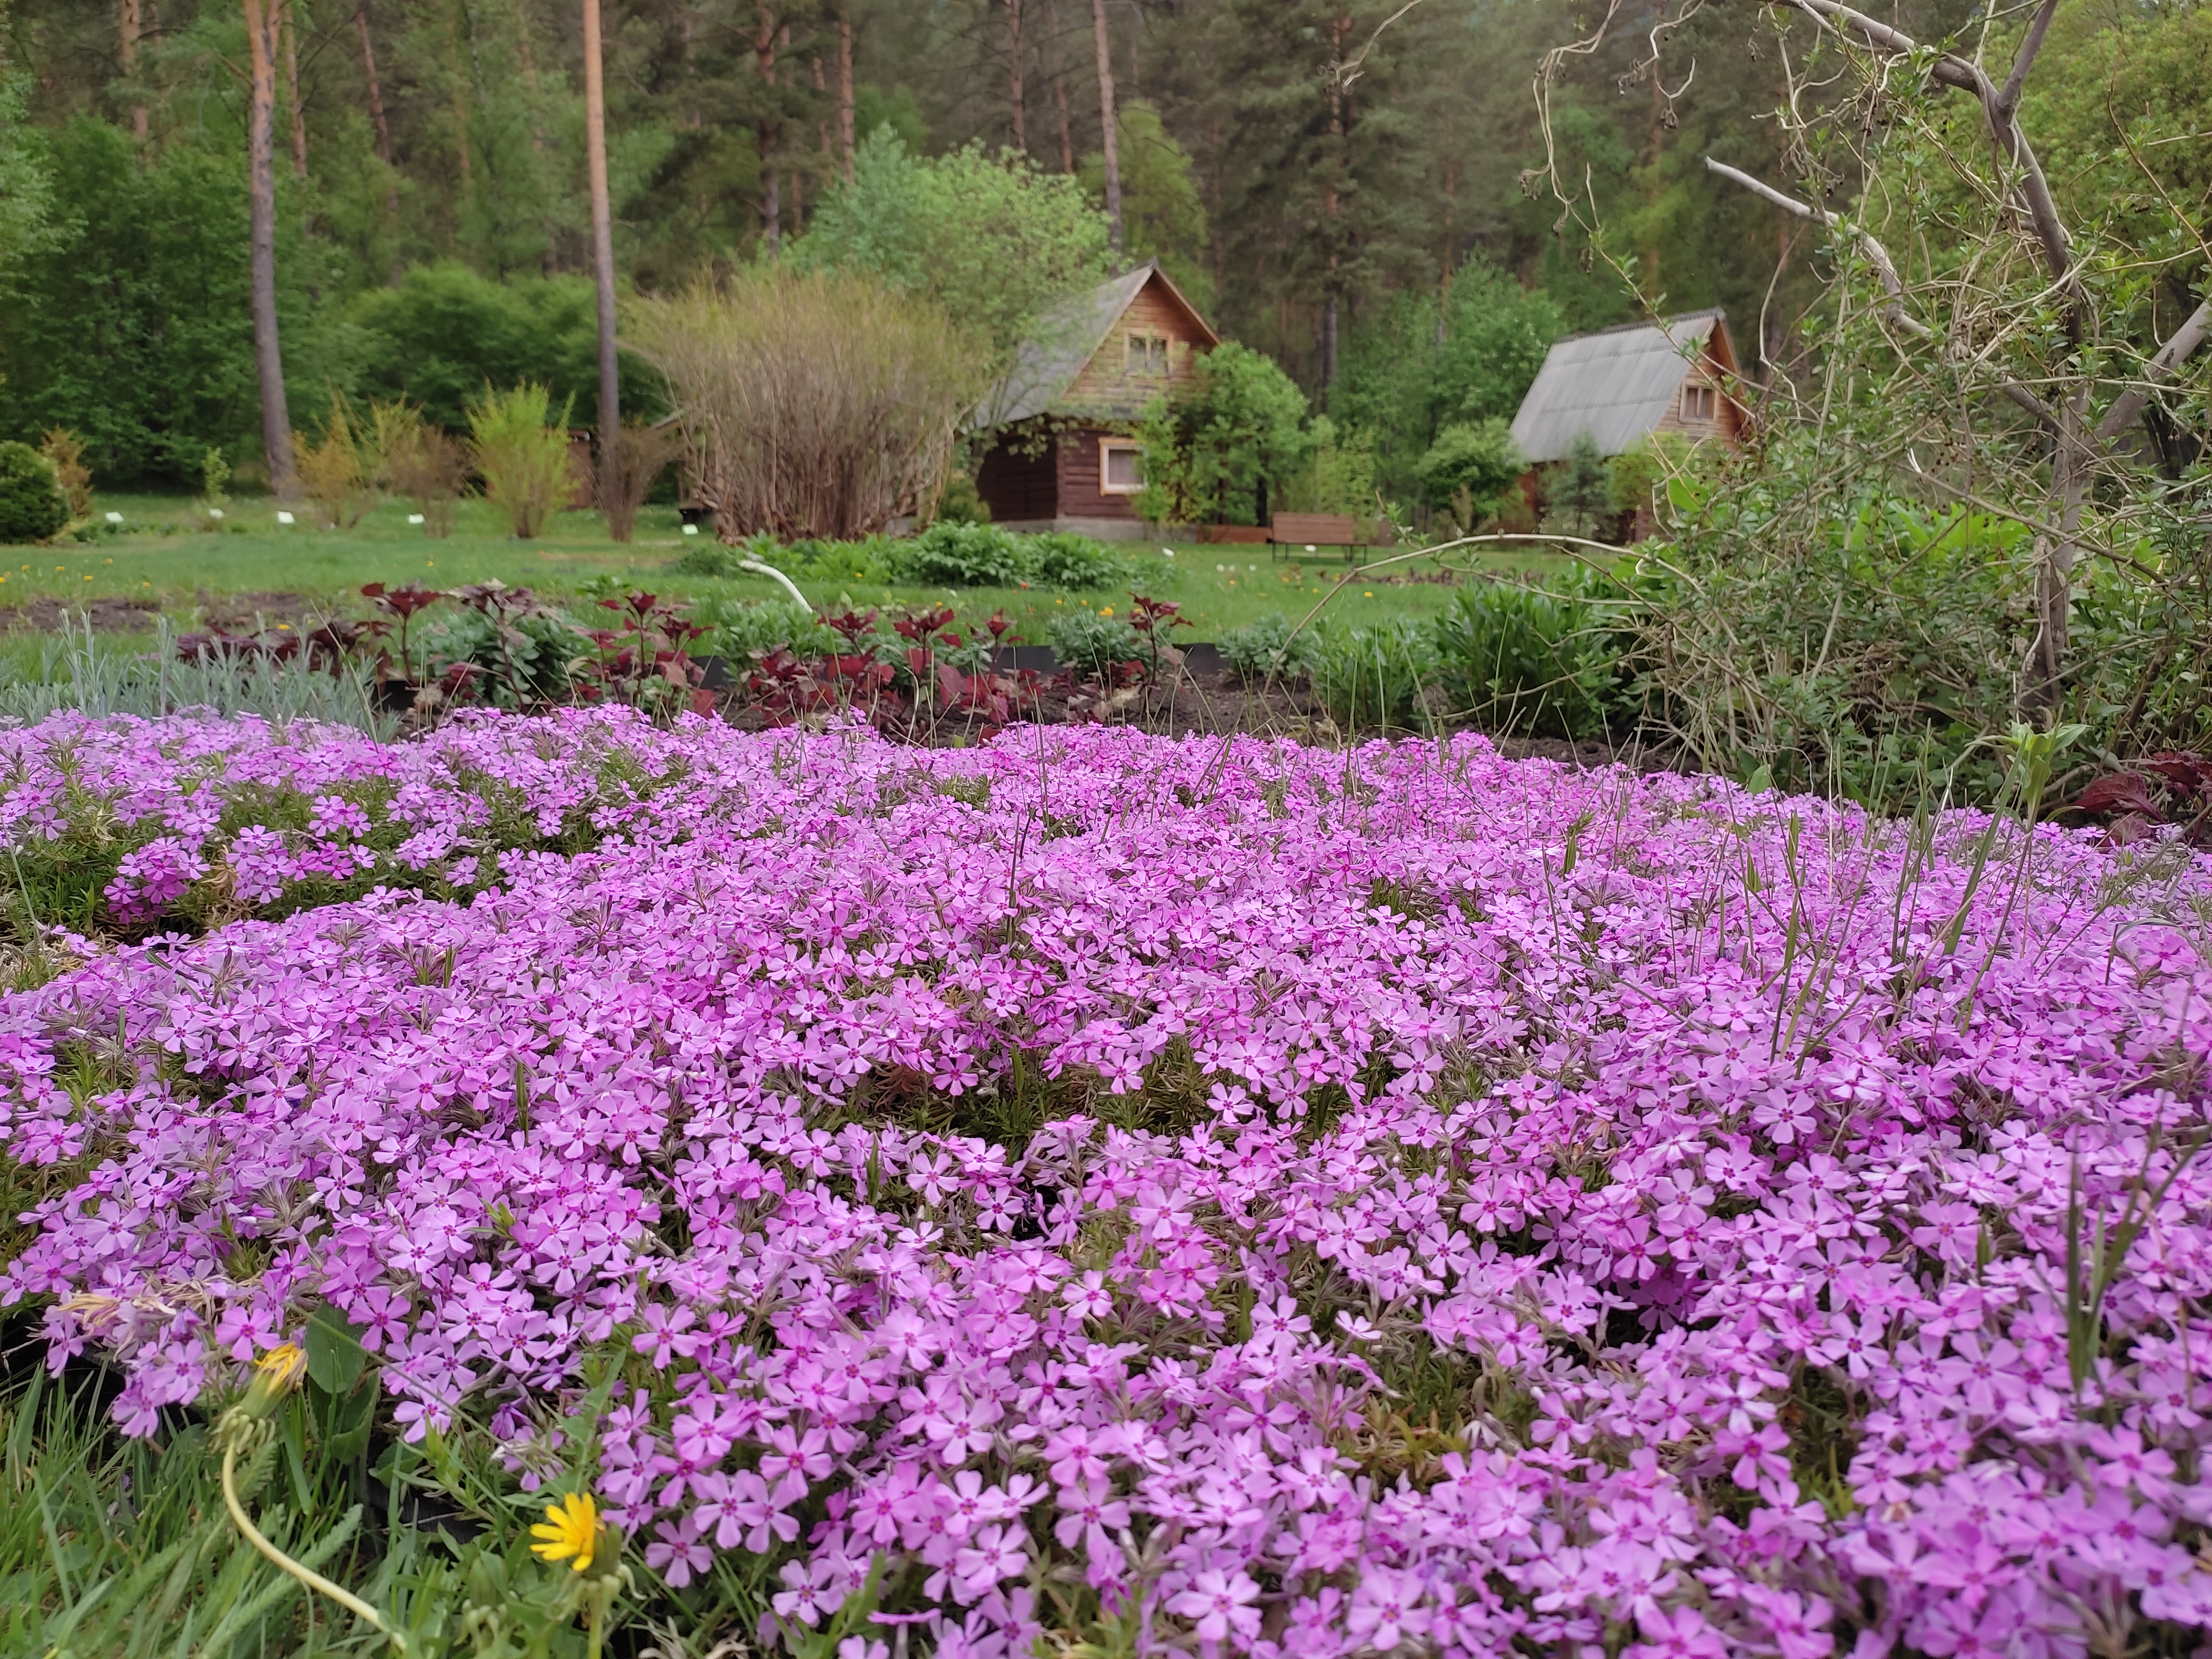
(1616, 384)
(1067, 337)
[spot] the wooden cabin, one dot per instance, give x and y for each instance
(1621, 385)
(1063, 452)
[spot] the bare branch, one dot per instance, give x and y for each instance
(2007, 100)
(1346, 73)
(1885, 270)
(1955, 71)
(1949, 68)
(1877, 255)
(2183, 341)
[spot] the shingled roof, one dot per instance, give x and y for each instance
(1066, 339)
(1617, 385)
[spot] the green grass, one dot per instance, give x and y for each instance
(162, 553)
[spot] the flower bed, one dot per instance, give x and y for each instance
(187, 821)
(1300, 1202)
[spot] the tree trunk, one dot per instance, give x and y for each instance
(822, 147)
(382, 126)
(461, 55)
(261, 183)
(768, 131)
(1014, 73)
(603, 254)
(1328, 335)
(1339, 121)
(790, 77)
(132, 26)
(292, 92)
(845, 92)
(1109, 127)
(2042, 683)
(1060, 96)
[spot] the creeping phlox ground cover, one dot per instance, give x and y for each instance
(185, 821)
(1202, 1194)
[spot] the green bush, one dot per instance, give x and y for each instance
(1373, 675)
(962, 503)
(522, 452)
(1470, 467)
(993, 240)
(872, 560)
(707, 557)
(442, 333)
(128, 321)
(31, 506)
(1057, 559)
(1091, 644)
(1578, 493)
(740, 631)
(1267, 647)
(948, 554)
(1416, 364)
(1529, 661)
(522, 660)
(1224, 448)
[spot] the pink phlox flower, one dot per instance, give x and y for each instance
(990, 1555)
(1218, 1604)
(1676, 1633)
(1090, 1512)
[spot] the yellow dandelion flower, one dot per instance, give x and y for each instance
(276, 1374)
(571, 1527)
(283, 1365)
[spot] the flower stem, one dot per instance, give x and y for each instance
(312, 1579)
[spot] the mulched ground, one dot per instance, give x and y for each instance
(233, 613)
(51, 616)
(1217, 703)
(249, 613)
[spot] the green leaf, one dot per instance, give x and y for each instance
(335, 1356)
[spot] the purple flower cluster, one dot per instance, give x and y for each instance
(1286, 1202)
(204, 819)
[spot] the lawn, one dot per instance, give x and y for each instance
(162, 554)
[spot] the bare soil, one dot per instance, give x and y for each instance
(250, 612)
(1213, 704)
(233, 613)
(46, 615)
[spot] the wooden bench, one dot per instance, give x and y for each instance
(1325, 530)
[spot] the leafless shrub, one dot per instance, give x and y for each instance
(337, 483)
(422, 463)
(812, 404)
(642, 453)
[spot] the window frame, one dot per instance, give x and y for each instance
(1106, 485)
(1149, 340)
(1700, 400)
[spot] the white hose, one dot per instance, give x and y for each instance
(758, 569)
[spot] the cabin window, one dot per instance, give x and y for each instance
(1147, 354)
(1697, 402)
(1120, 466)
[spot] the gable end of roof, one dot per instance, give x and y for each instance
(1615, 384)
(1067, 338)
